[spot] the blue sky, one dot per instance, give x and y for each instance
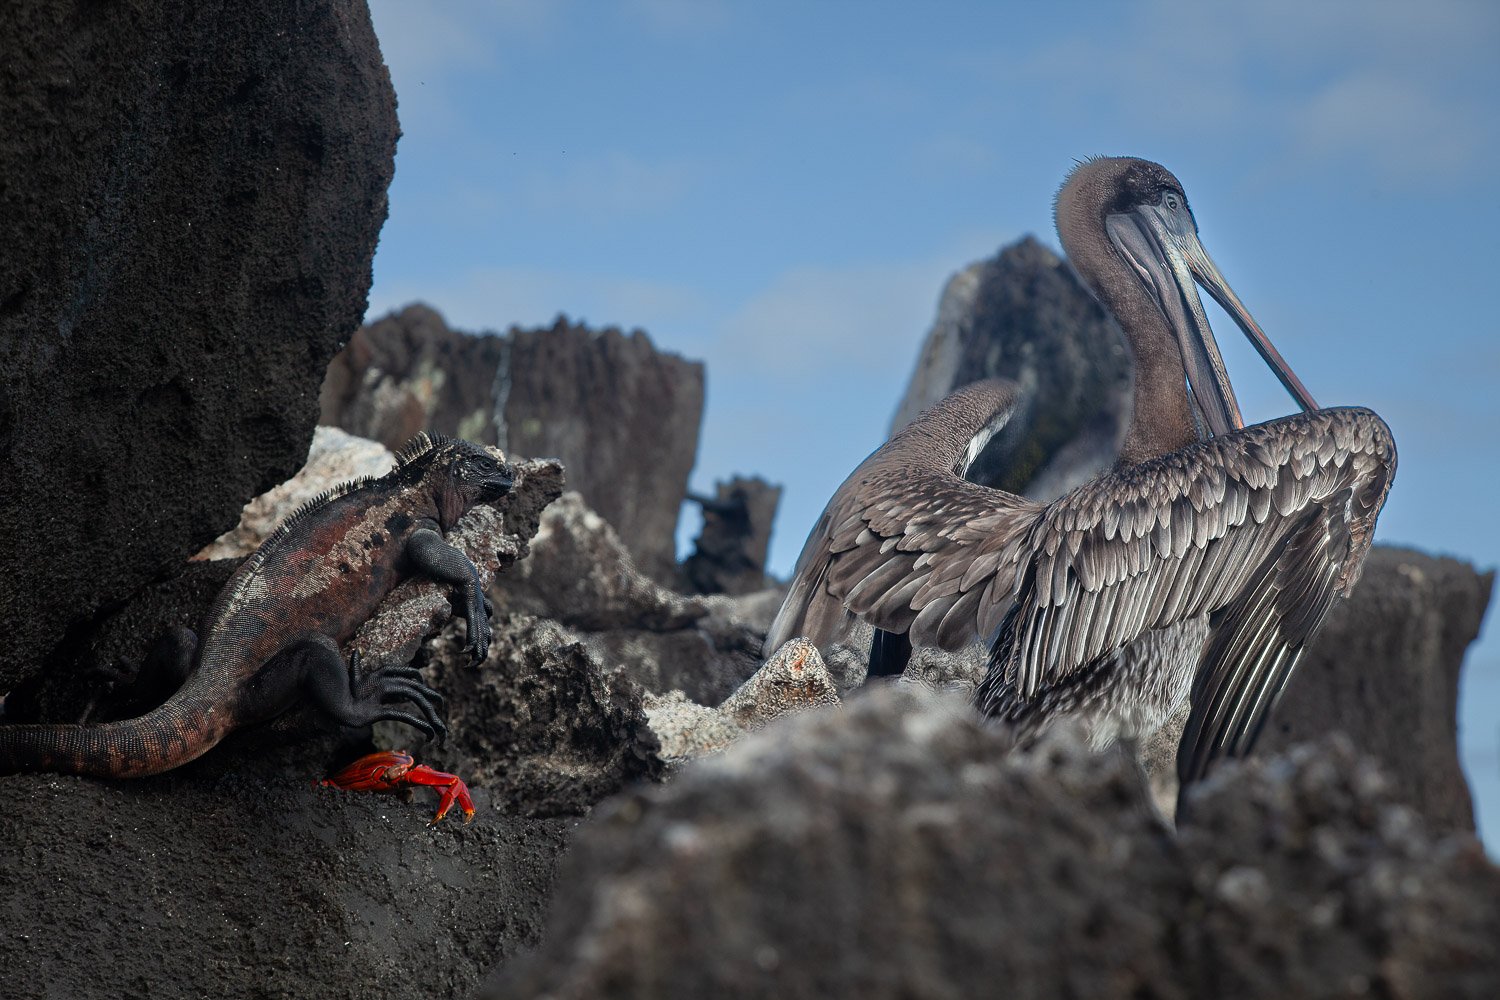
(781, 189)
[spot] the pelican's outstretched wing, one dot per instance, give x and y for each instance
(1260, 528)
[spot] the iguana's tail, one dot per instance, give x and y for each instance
(167, 737)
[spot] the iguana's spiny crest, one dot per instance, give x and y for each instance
(458, 474)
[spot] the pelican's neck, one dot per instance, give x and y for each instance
(1162, 419)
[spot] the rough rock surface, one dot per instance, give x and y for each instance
(621, 415)
(409, 372)
(237, 877)
(333, 458)
(583, 576)
(1025, 315)
(888, 850)
(192, 194)
(793, 680)
(1385, 670)
(729, 556)
(540, 724)
(234, 876)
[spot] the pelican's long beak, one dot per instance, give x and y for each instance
(1162, 244)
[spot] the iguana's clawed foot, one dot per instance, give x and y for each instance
(477, 645)
(384, 685)
(390, 770)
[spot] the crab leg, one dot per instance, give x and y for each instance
(389, 770)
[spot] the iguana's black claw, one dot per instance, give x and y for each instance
(389, 685)
(478, 643)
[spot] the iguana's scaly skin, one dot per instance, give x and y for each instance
(273, 635)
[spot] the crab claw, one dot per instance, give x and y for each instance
(389, 770)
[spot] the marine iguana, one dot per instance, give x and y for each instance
(274, 633)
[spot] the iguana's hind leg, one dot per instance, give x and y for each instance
(353, 699)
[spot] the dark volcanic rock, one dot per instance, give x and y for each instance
(1385, 670)
(234, 876)
(1024, 315)
(192, 194)
(582, 576)
(891, 849)
(884, 850)
(237, 878)
(729, 556)
(408, 372)
(1312, 877)
(540, 724)
(622, 416)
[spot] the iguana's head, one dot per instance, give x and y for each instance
(457, 474)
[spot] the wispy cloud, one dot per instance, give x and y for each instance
(608, 186)
(681, 18)
(815, 323)
(428, 46)
(1409, 133)
(1383, 88)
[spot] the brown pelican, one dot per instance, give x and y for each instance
(1205, 560)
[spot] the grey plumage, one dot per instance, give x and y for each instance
(1207, 561)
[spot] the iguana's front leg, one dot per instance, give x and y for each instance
(437, 559)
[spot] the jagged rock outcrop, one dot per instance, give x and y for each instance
(583, 577)
(1385, 670)
(729, 555)
(192, 197)
(541, 724)
(1024, 315)
(621, 415)
(794, 679)
(889, 849)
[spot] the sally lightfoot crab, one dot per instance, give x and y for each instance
(390, 770)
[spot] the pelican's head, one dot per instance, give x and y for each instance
(1125, 219)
